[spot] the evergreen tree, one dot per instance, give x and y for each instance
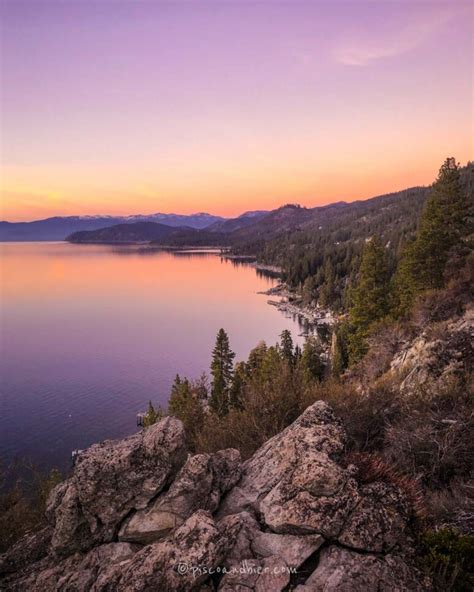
(185, 404)
(180, 393)
(222, 373)
(327, 293)
(256, 357)
(370, 298)
(339, 352)
(286, 347)
(152, 415)
(237, 387)
(311, 361)
(443, 225)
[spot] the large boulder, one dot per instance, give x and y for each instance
(199, 485)
(110, 480)
(297, 484)
(315, 436)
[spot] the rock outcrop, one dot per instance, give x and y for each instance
(444, 350)
(141, 514)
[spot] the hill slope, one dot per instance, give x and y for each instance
(123, 233)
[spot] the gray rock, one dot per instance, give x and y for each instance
(76, 573)
(179, 563)
(268, 575)
(316, 431)
(428, 358)
(341, 570)
(379, 521)
(294, 493)
(111, 479)
(294, 550)
(199, 485)
(29, 549)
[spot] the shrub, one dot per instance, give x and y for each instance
(433, 436)
(453, 506)
(22, 505)
(449, 557)
(372, 467)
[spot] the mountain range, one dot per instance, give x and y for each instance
(256, 232)
(252, 232)
(59, 227)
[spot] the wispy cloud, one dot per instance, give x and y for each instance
(387, 44)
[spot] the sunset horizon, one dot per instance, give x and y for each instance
(123, 108)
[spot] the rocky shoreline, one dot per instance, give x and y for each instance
(144, 514)
(291, 304)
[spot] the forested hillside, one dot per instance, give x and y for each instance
(321, 257)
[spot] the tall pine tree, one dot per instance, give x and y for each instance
(443, 225)
(286, 347)
(222, 374)
(370, 299)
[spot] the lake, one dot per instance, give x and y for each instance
(89, 334)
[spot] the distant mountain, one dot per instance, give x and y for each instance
(264, 233)
(58, 228)
(123, 233)
(245, 219)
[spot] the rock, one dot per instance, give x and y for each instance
(199, 485)
(316, 431)
(430, 357)
(111, 479)
(297, 485)
(294, 550)
(29, 549)
(272, 515)
(179, 563)
(379, 520)
(270, 575)
(341, 570)
(244, 527)
(315, 496)
(76, 573)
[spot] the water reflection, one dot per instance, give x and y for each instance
(90, 333)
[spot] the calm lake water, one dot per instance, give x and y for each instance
(90, 333)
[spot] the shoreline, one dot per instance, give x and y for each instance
(291, 303)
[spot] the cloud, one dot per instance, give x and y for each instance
(387, 44)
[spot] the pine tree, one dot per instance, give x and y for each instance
(370, 298)
(286, 347)
(256, 357)
(185, 404)
(222, 373)
(152, 415)
(443, 225)
(180, 393)
(311, 361)
(236, 392)
(339, 352)
(327, 293)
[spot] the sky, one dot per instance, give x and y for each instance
(115, 107)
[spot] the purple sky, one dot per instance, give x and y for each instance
(128, 107)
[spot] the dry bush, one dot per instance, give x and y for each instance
(433, 438)
(22, 505)
(372, 468)
(453, 507)
(270, 403)
(385, 341)
(364, 414)
(440, 305)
